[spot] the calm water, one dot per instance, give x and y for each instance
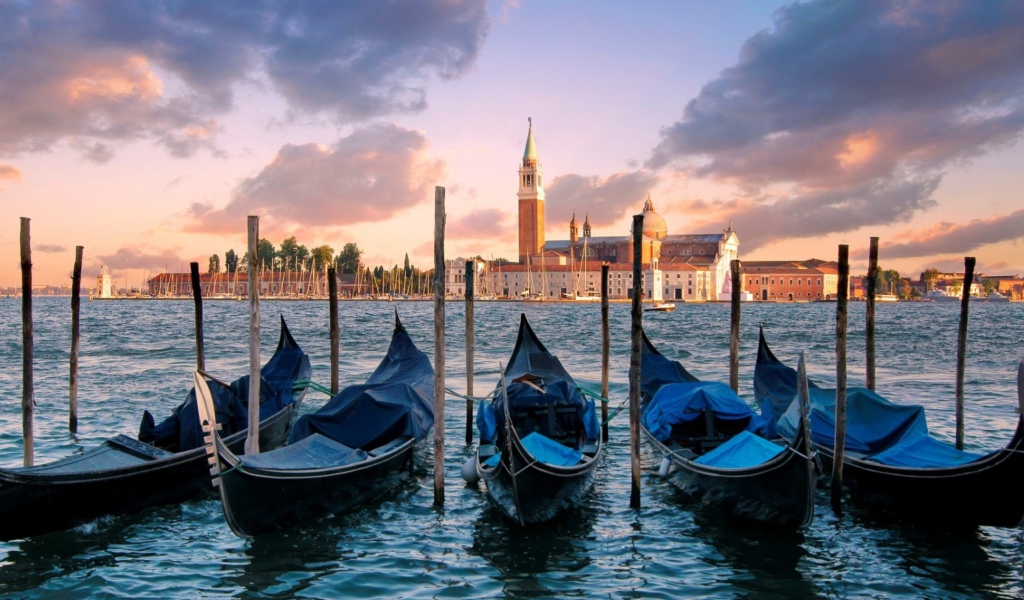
(137, 355)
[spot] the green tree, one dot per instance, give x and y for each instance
(991, 285)
(266, 253)
(320, 257)
(348, 258)
(214, 266)
(291, 254)
(230, 261)
(929, 277)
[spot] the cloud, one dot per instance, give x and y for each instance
(945, 238)
(370, 175)
(481, 223)
(49, 248)
(10, 173)
(98, 75)
(840, 97)
(604, 200)
(140, 258)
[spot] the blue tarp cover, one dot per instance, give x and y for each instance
(396, 400)
(491, 417)
(923, 451)
(288, 364)
(742, 451)
(872, 422)
(314, 452)
(657, 371)
(548, 451)
(679, 403)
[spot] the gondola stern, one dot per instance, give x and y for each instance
(285, 340)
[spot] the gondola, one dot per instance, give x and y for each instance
(124, 475)
(349, 452)
(540, 438)
(718, 451)
(891, 462)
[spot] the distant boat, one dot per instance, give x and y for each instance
(661, 307)
(997, 297)
(886, 298)
(938, 295)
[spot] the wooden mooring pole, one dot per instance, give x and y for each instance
(961, 349)
(252, 439)
(869, 320)
(27, 386)
(606, 345)
(839, 451)
(439, 221)
(734, 333)
(470, 343)
(197, 298)
(332, 295)
(636, 337)
(76, 303)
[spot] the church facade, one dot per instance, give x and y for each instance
(676, 267)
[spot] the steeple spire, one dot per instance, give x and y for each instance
(530, 153)
(649, 206)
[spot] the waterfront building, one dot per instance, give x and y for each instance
(790, 280)
(681, 267)
(103, 283)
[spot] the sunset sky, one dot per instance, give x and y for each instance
(147, 132)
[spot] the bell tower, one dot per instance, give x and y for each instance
(531, 201)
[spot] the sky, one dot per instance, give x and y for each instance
(147, 132)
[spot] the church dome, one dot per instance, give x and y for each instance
(654, 224)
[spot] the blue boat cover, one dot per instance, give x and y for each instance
(774, 386)
(922, 451)
(872, 422)
(182, 429)
(656, 371)
(548, 451)
(885, 432)
(314, 452)
(742, 451)
(396, 400)
(679, 403)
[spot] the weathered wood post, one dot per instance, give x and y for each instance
(27, 385)
(869, 321)
(470, 343)
(76, 303)
(197, 298)
(734, 334)
(439, 221)
(332, 296)
(605, 352)
(961, 349)
(842, 299)
(636, 331)
(252, 439)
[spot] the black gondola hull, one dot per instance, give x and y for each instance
(779, 492)
(258, 501)
(35, 501)
(543, 491)
(985, 492)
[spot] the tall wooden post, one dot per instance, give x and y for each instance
(27, 385)
(734, 333)
(605, 352)
(869, 321)
(636, 337)
(842, 299)
(76, 302)
(961, 349)
(332, 295)
(197, 298)
(252, 440)
(470, 343)
(439, 221)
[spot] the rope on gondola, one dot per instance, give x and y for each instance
(616, 411)
(587, 392)
(452, 392)
(305, 384)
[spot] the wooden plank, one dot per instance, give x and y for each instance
(197, 298)
(439, 222)
(27, 383)
(332, 295)
(869, 321)
(734, 328)
(636, 337)
(605, 351)
(76, 303)
(252, 439)
(470, 343)
(842, 299)
(961, 348)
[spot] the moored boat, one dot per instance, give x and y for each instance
(540, 439)
(892, 463)
(718, 451)
(124, 475)
(349, 452)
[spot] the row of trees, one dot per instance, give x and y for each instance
(291, 255)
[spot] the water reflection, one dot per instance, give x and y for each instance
(537, 560)
(286, 562)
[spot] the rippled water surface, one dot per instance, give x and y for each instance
(138, 355)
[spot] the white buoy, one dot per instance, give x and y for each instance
(469, 471)
(666, 463)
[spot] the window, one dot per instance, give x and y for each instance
(790, 281)
(819, 281)
(773, 281)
